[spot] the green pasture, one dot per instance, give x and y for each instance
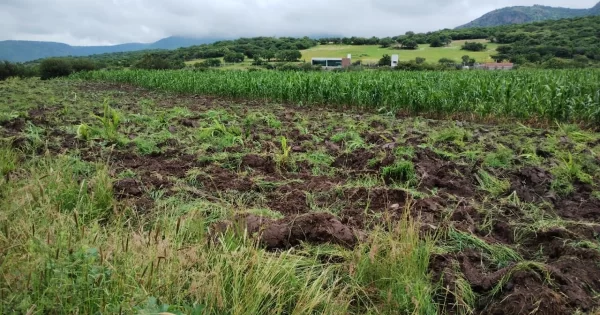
(372, 53)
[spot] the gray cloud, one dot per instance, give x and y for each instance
(89, 22)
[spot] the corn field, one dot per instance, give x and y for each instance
(562, 95)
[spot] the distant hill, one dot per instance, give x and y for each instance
(527, 14)
(22, 51)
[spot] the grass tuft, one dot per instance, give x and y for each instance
(401, 172)
(500, 254)
(487, 182)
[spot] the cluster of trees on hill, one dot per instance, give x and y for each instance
(267, 48)
(410, 40)
(9, 69)
(47, 68)
(574, 39)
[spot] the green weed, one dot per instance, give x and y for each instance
(351, 140)
(536, 268)
(502, 158)
(255, 118)
(146, 146)
(8, 116)
(219, 135)
(9, 159)
(405, 152)
(566, 173)
(402, 172)
(34, 135)
(396, 263)
(320, 162)
(364, 181)
(464, 298)
(500, 254)
(491, 184)
(452, 134)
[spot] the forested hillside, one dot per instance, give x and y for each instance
(528, 14)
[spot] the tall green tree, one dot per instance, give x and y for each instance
(289, 55)
(386, 60)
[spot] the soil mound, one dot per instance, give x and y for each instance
(316, 228)
(254, 161)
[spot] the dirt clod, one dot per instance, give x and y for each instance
(316, 228)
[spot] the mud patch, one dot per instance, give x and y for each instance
(580, 205)
(314, 228)
(128, 187)
(532, 184)
(254, 161)
(528, 294)
(14, 126)
(39, 116)
(451, 178)
(219, 179)
(288, 201)
(356, 160)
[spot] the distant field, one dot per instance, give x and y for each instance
(242, 65)
(372, 53)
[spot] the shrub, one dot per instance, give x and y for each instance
(54, 68)
(447, 62)
(415, 66)
(83, 65)
(156, 62)
(288, 55)
(258, 62)
(386, 60)
(472, 46)
(7, 70)
(234, 57)
(212, 62)
(410, 44)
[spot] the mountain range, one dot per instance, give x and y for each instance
(528, 14)
(22, 51)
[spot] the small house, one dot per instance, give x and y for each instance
(332, 63)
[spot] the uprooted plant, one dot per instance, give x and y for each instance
(282, 159)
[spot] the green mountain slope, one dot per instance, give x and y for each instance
(528, 14)
(22, 51)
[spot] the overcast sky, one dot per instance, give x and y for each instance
(101, 22)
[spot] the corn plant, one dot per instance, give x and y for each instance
(84, 132)
(283, 159)
(110, 121)
(552, 95)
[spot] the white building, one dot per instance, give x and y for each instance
(332, 63)
(395, 59)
